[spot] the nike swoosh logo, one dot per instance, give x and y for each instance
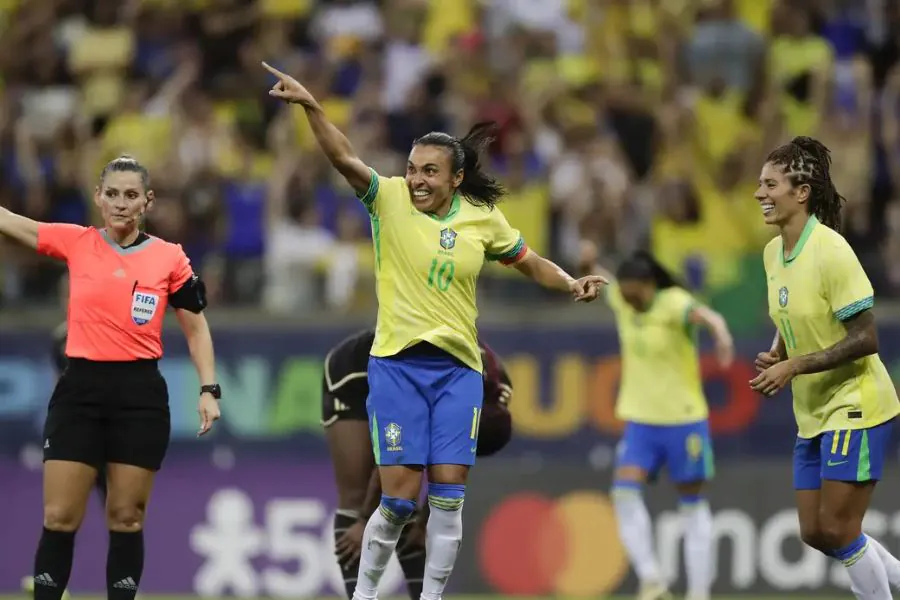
(834, 464)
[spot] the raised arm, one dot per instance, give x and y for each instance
(18, 228)
(334, 144)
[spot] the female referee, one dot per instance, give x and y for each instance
(110, 407)
(345, 387)
(432, 231)
(827, 349)
(665, 412)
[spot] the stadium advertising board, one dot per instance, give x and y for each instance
(257, 529)
(552, 532)
(262, 527)
(565, 380)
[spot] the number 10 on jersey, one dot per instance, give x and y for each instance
(440, 275)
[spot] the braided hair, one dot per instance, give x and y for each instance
(478, 187)
(807, 161)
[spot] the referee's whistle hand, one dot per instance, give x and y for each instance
(209, 412)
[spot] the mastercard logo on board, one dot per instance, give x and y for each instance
(568, 546)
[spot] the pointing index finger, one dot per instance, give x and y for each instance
(273, 70)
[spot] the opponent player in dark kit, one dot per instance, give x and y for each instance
(345, 387)
(109, 409)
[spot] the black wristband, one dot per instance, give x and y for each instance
(213, 389)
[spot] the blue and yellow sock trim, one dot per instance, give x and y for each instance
(850, 554)
(396, 510)
(446, 496)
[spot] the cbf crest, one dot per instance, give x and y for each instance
(143, 307)
(782, 297)
(392, 435)
(448, 238)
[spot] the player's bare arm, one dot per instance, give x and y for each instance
(200, 345)
(861, 341)
(18, 228)
(715, 323)
(334, 144)
(550, 275)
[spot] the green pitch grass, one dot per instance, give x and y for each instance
(486, 597)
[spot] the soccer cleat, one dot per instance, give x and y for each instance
(654, 591)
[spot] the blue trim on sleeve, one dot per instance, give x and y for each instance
(368, 199)
(853, 309)
(511, 253)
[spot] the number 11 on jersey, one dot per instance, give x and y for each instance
(787, 332)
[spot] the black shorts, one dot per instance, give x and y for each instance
(346, 404)
(109, 412)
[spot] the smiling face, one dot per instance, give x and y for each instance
(431, 179)
(123, 200)
(780, 200)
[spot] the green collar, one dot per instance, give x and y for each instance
(804, 235)
(454, 208)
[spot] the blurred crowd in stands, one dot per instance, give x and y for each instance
(633, 123)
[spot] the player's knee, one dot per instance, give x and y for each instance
(62, 518)
(812, 535)
(835, 533)
(125, 517)
(448, 497)
(397, 510)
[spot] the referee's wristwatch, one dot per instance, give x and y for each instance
(213, 390)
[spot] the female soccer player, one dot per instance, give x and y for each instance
(432, 231)
(345, 388)
(662, 403)
(110, 407)
(826, 347)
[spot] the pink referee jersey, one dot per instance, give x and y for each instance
(117, 296)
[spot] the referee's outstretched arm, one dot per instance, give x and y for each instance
(334, 144)
(18, 228)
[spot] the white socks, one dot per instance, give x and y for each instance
(866, 569)
(378, 543)
(698, 547)
(891, 563)
(635, 531)
(443, 537)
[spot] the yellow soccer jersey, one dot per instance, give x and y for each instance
(426, 269)
(810, 293)
(661, 383)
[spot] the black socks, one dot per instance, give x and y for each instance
(53, 564)
(124, 564)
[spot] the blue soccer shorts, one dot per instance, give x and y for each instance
(852, 455)
(424, 408)
(685, 450)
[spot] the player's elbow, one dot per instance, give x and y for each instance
(871, 342)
